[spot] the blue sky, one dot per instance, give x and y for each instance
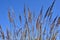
(18, 5)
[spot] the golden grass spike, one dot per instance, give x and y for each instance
(2, 33)
(48, 12)
(58, 22)
(51, 7)
(52, 25)
(53, 36)
(51, 28)
(9, 13)
(8, 37)
(55, 19)
(13, 14)
(40, 27)
(29, 16)
(50, 16)
(20, 18)
(3, 37)
(37, 24)
(24, 11)
(9, 16)
(40, 15)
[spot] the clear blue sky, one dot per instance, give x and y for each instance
(18, 6)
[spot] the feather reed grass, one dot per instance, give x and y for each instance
(25, 33)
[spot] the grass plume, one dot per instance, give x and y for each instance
(28, 31)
